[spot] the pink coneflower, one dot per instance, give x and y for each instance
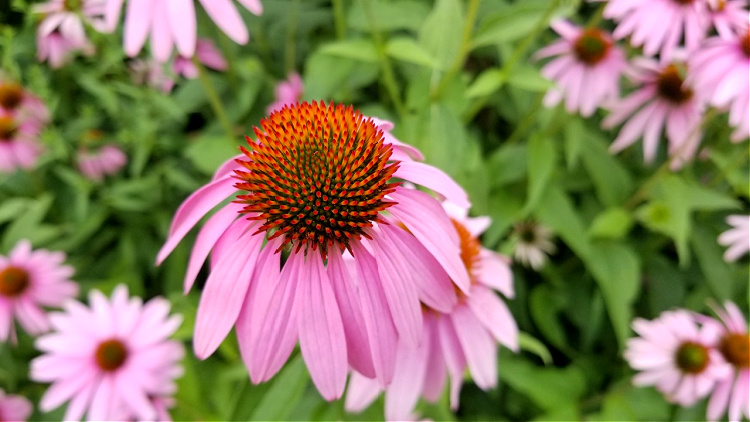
(676, 355)
(737, 238)
(29, 280)
(316, 184)
(57, 50)
(665, 101)
(732, 394)
(173, 24)
(659, 25)
(287, 92)
(587, 70)
(22, 104)
(95, 164)
(728, 16)
(112, 360)
(150, 72)
(19, 147)
(465, 335)
(207, 53)
(532, 244)
(62, 31)
(720, 70)
(14, 408)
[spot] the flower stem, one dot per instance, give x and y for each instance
(339, 18)
(213, 98)
(389, 78)
(291, 39)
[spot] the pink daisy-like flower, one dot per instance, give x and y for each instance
(57, 50)
(587, 70)
(317, 182)
(287, 92)
(732, 394)
(112, 361)
(207, 53)
(464, 335)
(29, 280)
(19, 102)
(659, 25)
(719, 70)
(664, 101)
(737, 238)
(728, 16)
(173, 23)
(14, 408)
(18, 142)
(62, 30)
(107, 160)
(677, 356)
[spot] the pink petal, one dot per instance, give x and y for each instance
(435, 179)
(161, 37)
(495, 315)
(182, 23)
(478, 347)
(454, 356)
(225, 15)
(435, 374)
(402, 395)
(361, 393)
(254, 6)
(493, 271)
(138, 20)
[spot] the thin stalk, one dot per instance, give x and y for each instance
(339, 18)
(528, 120)
(291, 39)
(226, 47)
(389, 77)
(213, 98)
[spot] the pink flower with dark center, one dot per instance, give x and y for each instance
(62, 31)
(14, 408)
(105, 161)
(587, 68)
(112, 361)
(173, 23)
(677, 356)
(22, 104)
(207, 53)
(19, 147)
(664, 101)
(737, 238)
(457, 336)
(659, 25)
(317, 183)
(287, 92)
(732, 394)
(728, 16)
(30, 280)
(719, 71)
(57, 50)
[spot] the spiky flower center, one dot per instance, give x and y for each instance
(592, 46)
(11, 95)
(671, 87)
(317, 176)
(111, 354)
(745, 44)
(684, 2)
(8, 128)
(692, 357)
(735, 348)
(13, 281)
(470, 247)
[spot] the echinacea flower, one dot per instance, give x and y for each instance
(29, 280)
(17, 101)
(665, 101)
(720, 70)
(19, 147)
(677, 356)
(464, 335)
(173, 23)
(207, 53)
(728, 16)
(533, 242)
(62, 31)
(737, 238)
(315, 184)
(14, 408)
(659, 25)
(57, 50)
(587, 68)
(287, 92)
(112, 360)
(104, 161)
(732, 394)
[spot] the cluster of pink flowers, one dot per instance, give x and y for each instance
(62, 31)
(672, 91)
(688, 357)
(22, 117)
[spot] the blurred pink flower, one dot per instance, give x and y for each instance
(57, 50)
(22, 104)
(457, 336)
(677, 356)
(664, 101)
(291, 191)
(173, 23)
(732, 394)
(112, 360)
(29, 280)
(728, 16)
(533, 243)
(14, 408)
(659, 25)
(62, 31)
(19, 147)
(737, 238)
(207, 53)
(150, 72)
(719, 70)
(587, 70)
(287, 92)
(107, 160)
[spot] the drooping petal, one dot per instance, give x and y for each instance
(402, 395)
(493, 271)
(495, 315)
(226, 17)
(435, 374)
(435, 179)
(137, 23)
(361, 393)
(478, 347)
(454, 356)
(182, 22)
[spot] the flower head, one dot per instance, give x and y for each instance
(62, 29)
(287, 92)
(30, 279)
(317, 182)
(676, 354)
(737, 238)
(587, 68)
(207, 53)
(17, 101)
(113, 361)
(728, 16)
(14, 408)
(533, 242)
(95, 164)
(19, 147)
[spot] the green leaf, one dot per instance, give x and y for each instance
(209, 151)
(508, 164)
(361, 49)
(278, 402)
(408, 50)
(533, 345)
(388, 15)
(541, 165)
(548, 387)
(488, 82)
(12, 208)
(612, 223)
(717, 272)
(28, 225)
(528, 78)
(545, 307)
(612, 181)
(441, 32)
